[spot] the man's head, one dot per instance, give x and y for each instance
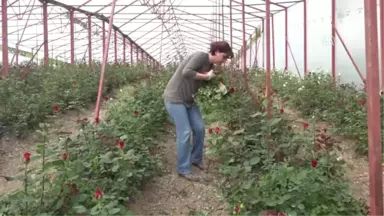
(220, 51)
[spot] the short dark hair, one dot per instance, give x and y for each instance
(221, 46)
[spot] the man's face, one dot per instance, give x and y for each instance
(221, 57)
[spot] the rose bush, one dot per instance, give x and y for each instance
(343, 106)
(268, 165)
(99, 171)
(29, 95)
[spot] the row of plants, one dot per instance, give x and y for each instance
(30, 93)
(342, 105)
(99, 171)
(268, 166)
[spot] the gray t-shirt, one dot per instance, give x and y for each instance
(183, 86)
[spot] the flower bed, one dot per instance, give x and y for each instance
(343, 106)
(29, 95)
(267, 165)
(97, 172)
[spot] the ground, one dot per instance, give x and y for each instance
(171, 195)
(166, 194)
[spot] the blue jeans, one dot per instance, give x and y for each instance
(187, 120)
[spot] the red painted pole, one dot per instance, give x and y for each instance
(333, 41)
(263, 44)
(124, 51)
(286, 39)
(373, 109)
(45, 29)
(230, 34)
(115, 42)
(131, 44)
(17, 54)
(89, 41)
(217, 30)
(222, 19)
(103, 37)
(137, 54)
(256, 47)
(104, 65)
(230, 22)
(250, 50)
(305, 39)
(268, 57)
(244, 54)
(382, 42)
(72, 36)
(4, 33)
(218, 20)
(273, 42)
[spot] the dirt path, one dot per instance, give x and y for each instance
(12, 149)
(170, 195)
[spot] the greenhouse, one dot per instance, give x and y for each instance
(180, 107)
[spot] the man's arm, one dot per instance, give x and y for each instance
(190, 70)
(200, 76)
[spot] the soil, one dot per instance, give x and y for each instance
(169, 194)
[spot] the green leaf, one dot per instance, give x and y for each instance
(124, 137)
(54, 163)
(265, 102)
(239, 132)
(275, 121)
(115, 168)
(87, 164)
(112, 204)
(247, 185)
(256, 114)
(79, 198)
(79, 209)
(292, 213)
(114, 211)
(59, 203)
(128, 213)
(255, 160)
(301, 206)
(95, 210)
(40, 148)
(271, 203)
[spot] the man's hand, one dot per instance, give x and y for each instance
(210, 75)
(219, 69)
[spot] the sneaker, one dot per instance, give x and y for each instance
(199, 165)
(190, 177)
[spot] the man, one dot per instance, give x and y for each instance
(179, 101)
